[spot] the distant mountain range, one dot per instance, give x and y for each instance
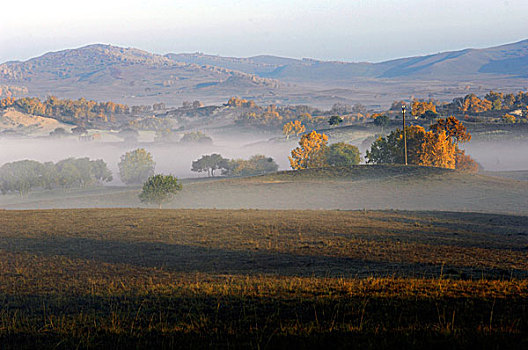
(133, 76)
(469, 64)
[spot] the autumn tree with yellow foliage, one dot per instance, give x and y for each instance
(454, 129)
(311, 151)
(437, 150)
(420, 107)
(437, 147)
(293, 128)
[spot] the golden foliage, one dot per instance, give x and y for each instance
(420, 107)
(453, 128)
(293, 128)
(240, 102)
(311, 151)
(465, 163)
(437, 150)
(474, 104)
(7, 102)
(508, 118)
(438, 147)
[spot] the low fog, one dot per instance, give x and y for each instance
(173, 158)
(176, 159)
(359, 188)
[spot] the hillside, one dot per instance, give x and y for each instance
(21, 123)
(132, 76)
(468, 64)
(105, 72)
(364, 186)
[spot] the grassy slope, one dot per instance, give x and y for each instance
(371, 187)
(253, 278)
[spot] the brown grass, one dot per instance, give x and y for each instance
(253, 278)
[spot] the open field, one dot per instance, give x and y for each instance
(359, 187)
(261, 279)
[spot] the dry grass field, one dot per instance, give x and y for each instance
(130, 278)
(382, 187)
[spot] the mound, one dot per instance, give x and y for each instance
(361, 187)
(12, 119)
(359, 172)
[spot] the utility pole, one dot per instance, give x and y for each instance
(404, 133)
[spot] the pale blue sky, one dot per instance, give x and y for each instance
(364, 30)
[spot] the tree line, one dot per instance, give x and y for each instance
(469, 104)
(67, 110)
(438, 147)
(256, 165)
(25, 175)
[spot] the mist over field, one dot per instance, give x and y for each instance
(264, 174)
(175, 159)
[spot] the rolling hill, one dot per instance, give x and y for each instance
(133, 76)
(105, 72)
(359, 187)
(468, 64)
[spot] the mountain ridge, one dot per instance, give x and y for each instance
(103, 71)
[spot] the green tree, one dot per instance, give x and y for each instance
(196, 137)
(335, 120)
(79, 130)
(69, 174)
(429, 115)
(136, 166)
(256, 165)
(381, 121)
(128, 135)
(210, 163)
(49, 175)
(20, 176)
(82, 172)
(389, 149)
(159, 189)
(58, 133)
(342, 154)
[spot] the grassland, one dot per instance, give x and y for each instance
(131, 278)
(360, 187)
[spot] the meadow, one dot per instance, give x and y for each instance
(382, 187)
(131, 278)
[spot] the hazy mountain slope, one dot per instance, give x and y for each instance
(477, 64)
(132, 76)
(510, 59)
(105, 72)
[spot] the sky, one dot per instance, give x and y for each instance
(346, 30)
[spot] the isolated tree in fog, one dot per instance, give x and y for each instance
(136, 166)
(79, 130)
(311, 151)
(58, 132)
(128, 135)
(210, 163)
(159, 189)
(196, 137)
(335, 120)
(342, 154)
